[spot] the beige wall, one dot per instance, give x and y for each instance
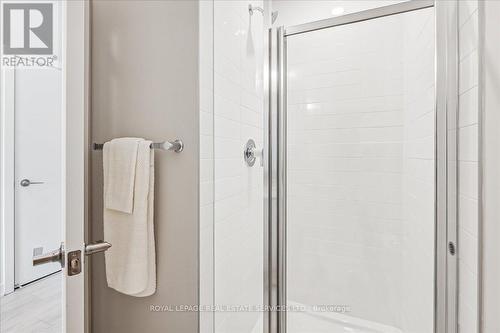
(145, 83)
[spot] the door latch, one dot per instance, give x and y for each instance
(74, 262)
(75, 257)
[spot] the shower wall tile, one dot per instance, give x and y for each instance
(468, 35)
(357, 145)
(466, 8)
(361, 169)
(206, 215)
(468, 215)
(418, 174)
(468, 69)
(236, 191)
(468, 148)
(468, 167)
(468, 107)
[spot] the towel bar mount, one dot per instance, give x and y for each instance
(176, 146)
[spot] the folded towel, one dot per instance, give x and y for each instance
(121, 156)
(131, 262)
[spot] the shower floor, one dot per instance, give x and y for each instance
(310, 322)
(321, 322)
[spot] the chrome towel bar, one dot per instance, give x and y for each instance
(176, 146)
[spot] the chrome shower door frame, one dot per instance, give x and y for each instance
(446, 87)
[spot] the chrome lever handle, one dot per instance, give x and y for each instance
(96, 247)
(27, 182)
(52, 256)
(58, 255)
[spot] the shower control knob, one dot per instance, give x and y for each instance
(251, 153)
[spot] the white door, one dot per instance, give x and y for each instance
(50, 141)
(75, 78)
(74, 156)
(38, 170)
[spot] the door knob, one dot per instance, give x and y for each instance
(27, 182)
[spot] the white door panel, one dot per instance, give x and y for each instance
(46, 142)
(38, 158)
(75, 103)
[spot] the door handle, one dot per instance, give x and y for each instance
(74, 257)
(58, 255)
(52, 256)
(27, 182)
(96, 247)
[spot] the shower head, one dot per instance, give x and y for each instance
(252, 8)
(274, 16)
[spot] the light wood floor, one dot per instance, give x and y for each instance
(35, 308)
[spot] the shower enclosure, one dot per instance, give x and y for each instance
(360, 172)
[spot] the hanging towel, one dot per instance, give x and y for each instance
(130, 262)
(121, 160)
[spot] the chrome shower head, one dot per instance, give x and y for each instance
(274, 16)
(252, 8)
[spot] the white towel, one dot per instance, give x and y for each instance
(130, 262)
(121, 157)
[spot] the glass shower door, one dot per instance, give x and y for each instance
(360, 176)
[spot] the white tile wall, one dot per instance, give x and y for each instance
(417, 273)
(206, 215)
(372, 144)
(238, 201)
(231, 216)
(468, 166)
(360, 169)
(490, 143)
